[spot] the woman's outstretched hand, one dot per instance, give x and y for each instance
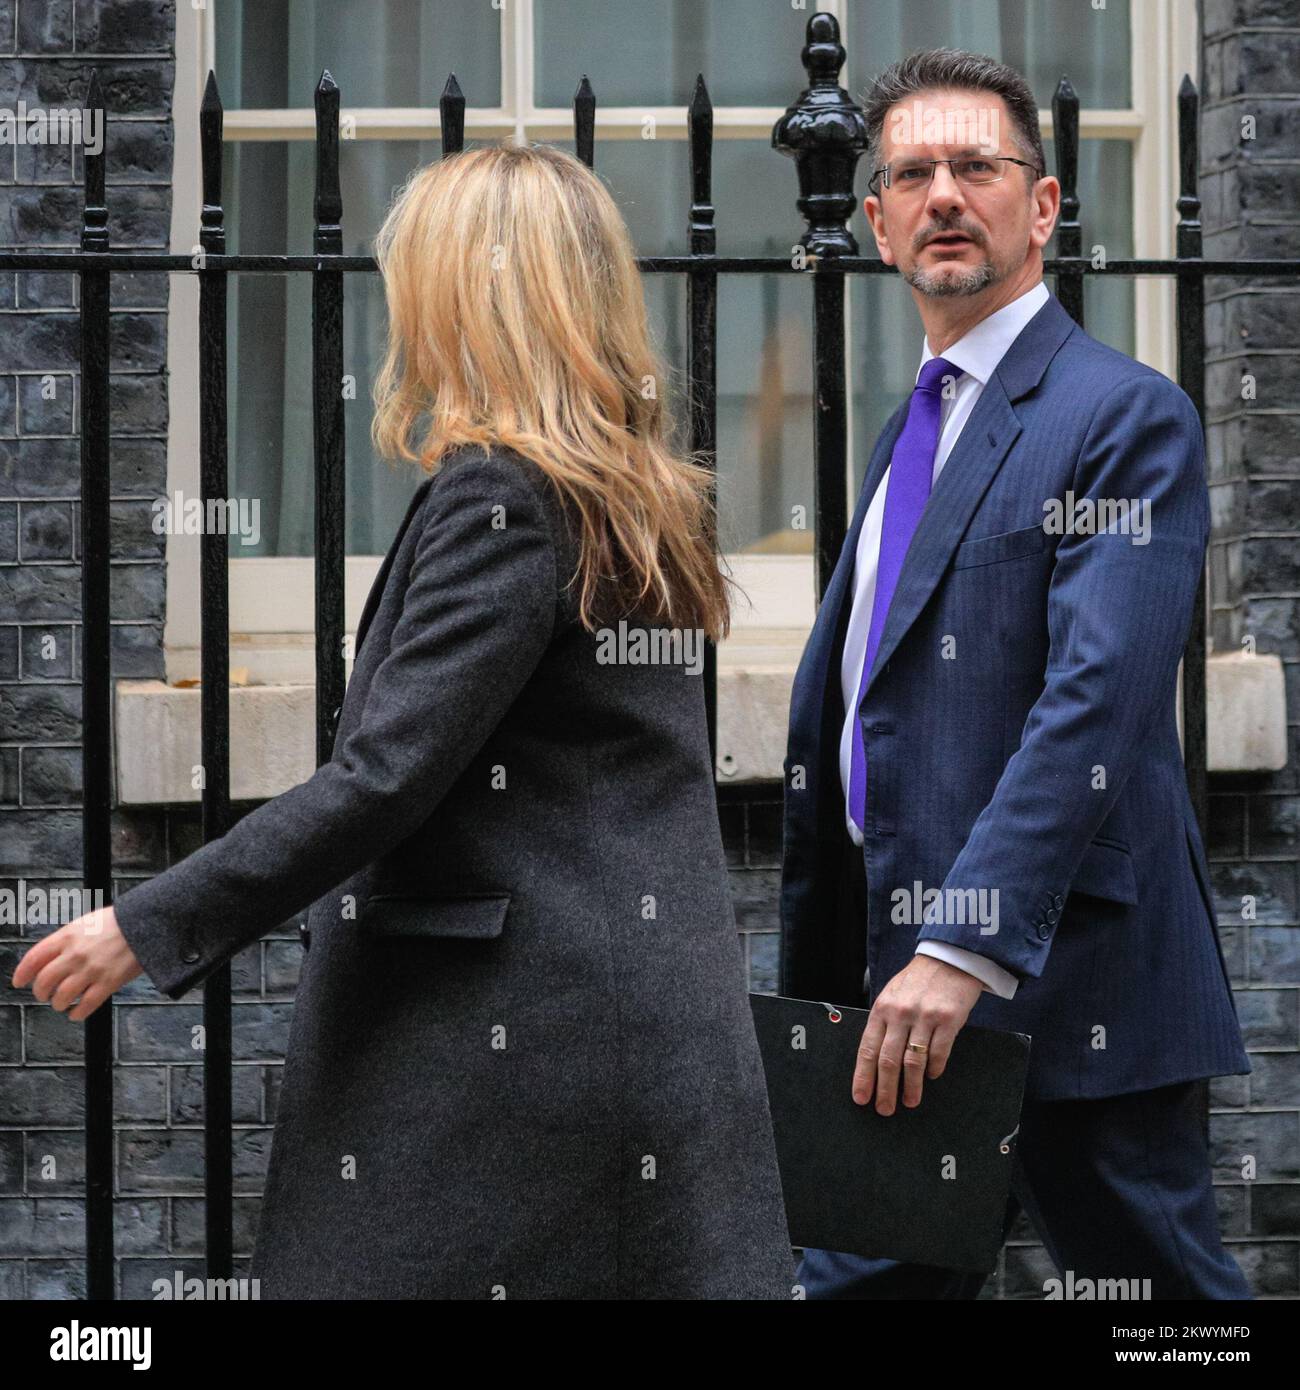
(81, 964)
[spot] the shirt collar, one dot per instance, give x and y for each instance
(979, 351)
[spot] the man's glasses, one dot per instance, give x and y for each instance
(909, 175)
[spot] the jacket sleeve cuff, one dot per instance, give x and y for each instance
(172, 960)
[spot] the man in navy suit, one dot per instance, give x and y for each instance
(986, 811)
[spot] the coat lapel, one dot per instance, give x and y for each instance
(377, 588)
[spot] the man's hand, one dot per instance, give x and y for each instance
(926, 1004)
(84, 961)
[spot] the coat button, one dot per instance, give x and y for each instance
(1058, 900)
(1044, 931)
(1052, 914)
(189, 953)
(334, 720)
(304, 935)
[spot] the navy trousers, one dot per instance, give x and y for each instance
(1116, 1188)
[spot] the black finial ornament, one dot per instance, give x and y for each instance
(825, 133)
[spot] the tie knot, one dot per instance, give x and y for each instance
(933, 373)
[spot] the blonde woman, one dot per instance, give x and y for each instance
(522, 1063)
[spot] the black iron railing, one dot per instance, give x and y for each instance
(824, 132)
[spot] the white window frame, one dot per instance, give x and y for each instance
(271, 599)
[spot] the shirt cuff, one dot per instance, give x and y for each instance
(990, 974)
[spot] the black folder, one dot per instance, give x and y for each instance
(927, 1185)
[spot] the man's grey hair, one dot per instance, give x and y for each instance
(948, 69)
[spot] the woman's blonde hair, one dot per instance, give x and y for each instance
(516, 318)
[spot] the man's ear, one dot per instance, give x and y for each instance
(1047, 208)
(876, 219)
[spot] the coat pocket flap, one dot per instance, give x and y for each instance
(474, 916)
(1007, 545)
(1106, 871)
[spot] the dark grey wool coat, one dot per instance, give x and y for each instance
(522, 1062)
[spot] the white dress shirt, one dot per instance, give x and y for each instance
(977, 353)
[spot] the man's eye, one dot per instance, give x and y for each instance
(976, 166)
(911, 173)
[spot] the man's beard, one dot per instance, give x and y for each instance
(937, 284)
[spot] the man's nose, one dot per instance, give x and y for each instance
(945, 192)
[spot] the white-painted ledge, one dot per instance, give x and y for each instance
(272, 727)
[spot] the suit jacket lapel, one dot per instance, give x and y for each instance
(377, 588)
(983, 444)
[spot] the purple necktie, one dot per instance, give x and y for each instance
(911, 473)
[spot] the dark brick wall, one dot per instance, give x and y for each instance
(48, 49)
(1250, 186)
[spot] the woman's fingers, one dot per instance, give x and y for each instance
(90, 1001)
(35, 959)
(70, 989)
(67, 957)
(85, 961)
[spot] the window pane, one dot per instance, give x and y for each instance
(1040, 38)
(648, 54)
(764, 353)
(269, 321)
(754, 193)
(765, 416)
(764, 358)
(1106, 216)
(380, 52)
(748, 50)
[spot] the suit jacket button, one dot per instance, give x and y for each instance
(1058, 900)
(304, 935)
(334, 720)
(1044, 931)
(1052, 914)
(189, 953)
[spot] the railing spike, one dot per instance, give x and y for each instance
(701, 233)
(1069, 231)
(451, 111)
(211, 96)
(327, 234)
(584, 122)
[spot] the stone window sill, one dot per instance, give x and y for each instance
(272, 726)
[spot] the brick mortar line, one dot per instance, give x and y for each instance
(1227, 102)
